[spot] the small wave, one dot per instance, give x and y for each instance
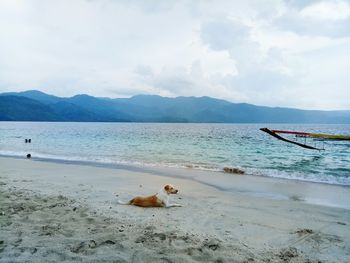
(105, 160)
(269, 172)
(309, 177)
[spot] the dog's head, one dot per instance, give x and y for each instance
(169, 189)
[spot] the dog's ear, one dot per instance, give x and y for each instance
(167, 188)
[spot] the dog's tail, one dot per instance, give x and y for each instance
(124, 203)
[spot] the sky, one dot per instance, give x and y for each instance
(288, 53)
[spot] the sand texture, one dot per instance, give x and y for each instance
(53, 212)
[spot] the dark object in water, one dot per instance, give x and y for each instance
(26, 140)
(233, 170)
(274, 134)
(29, 155)
(29, 140)
(305, 135)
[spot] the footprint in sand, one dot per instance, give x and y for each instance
(87, 247)
(308, 235)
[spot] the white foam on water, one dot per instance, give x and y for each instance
(316, 178)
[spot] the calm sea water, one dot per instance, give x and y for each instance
(199, 146)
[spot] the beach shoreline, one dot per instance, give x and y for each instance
(240, 221)
(161, 168)
(333, 195)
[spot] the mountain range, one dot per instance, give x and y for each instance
(35, 105)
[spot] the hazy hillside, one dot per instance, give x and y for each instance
(35, 95)
(38, 106)
(16, 108)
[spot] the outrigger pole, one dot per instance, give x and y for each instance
(274, 134)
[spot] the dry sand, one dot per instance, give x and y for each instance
(52, 212)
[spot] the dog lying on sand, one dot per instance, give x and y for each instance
(161, 199)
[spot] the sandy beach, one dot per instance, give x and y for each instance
(55, 212)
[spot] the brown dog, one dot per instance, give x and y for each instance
(161, 199)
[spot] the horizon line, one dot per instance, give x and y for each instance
(156, 95)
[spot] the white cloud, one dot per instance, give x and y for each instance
(327, 10)
(319, 18)
(263, 52)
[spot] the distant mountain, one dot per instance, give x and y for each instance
(37, 106)
(14, 108)
(35, 95)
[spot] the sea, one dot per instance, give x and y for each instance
(191, 146)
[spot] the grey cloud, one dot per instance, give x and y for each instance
(151, 6)
(144, 70)
(176, 81)
(299, 4)
(222, 34)
(235, 38)
(293, 21)
(264, 86)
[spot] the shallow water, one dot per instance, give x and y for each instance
(199, 146)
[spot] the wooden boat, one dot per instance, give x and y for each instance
(314, 136)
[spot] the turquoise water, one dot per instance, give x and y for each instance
(196, 146)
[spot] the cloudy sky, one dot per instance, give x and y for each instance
(291, 53)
